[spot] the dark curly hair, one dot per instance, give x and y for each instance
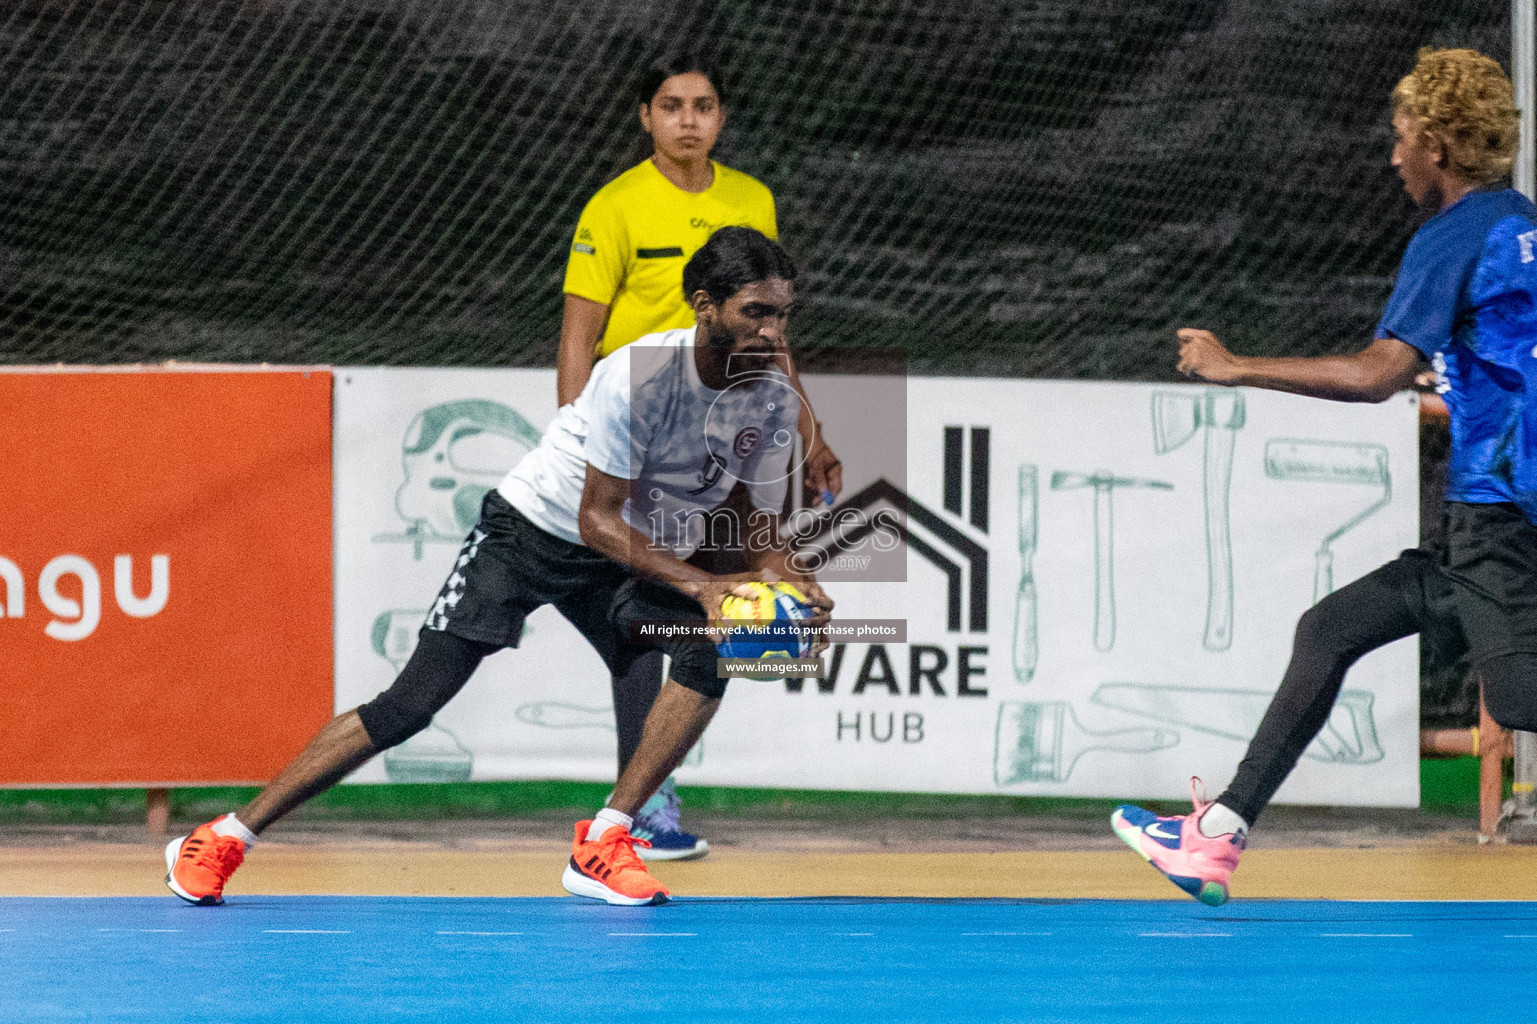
(732, 259)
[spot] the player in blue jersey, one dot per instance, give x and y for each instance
(1464, 303)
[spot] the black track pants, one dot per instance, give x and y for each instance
(1480, 592)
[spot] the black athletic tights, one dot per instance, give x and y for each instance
(439, 667)
(442, 663)
(1399, 599)
(634, 693)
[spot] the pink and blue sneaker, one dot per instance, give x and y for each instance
(1199, 865)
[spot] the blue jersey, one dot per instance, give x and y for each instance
(1464, 299)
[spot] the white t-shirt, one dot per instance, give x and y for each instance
(645, 416)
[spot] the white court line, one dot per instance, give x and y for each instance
(1184, 935)
(301, 931)
(1034, 934)
(647, 935)
(480, 933)
(853, 934)
(1504, 936)
(1365, 935)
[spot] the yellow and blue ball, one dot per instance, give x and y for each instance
(776, 606)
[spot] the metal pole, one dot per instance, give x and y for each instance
(1523, 825)
(1521, 52)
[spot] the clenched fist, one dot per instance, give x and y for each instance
(1203, 357)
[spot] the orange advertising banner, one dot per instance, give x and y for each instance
(165, 573)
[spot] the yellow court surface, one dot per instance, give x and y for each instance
(1425, 871)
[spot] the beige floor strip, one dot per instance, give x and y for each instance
(1426, 873)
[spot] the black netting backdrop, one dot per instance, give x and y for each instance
(1038, 188)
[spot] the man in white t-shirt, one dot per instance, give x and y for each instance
(680, 439)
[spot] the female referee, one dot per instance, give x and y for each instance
(624, 280)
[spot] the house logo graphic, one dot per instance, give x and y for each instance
(926, 532)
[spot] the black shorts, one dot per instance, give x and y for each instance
(1480, 587)
(507, 567)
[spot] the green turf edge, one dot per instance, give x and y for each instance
(1446, 785)
(1451, 784)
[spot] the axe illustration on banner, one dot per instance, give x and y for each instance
(1104, 542)
(1042, 742)
(1177, 415)
(1026, 639)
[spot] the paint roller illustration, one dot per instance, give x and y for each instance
(434, 754)
(554, 714)
(1348, 737)
(1103, 484)
(1026, 637)
(1177, 415)
(1331, 462)
(1043, 742)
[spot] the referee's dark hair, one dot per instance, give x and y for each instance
(732, 259)
(680, 62)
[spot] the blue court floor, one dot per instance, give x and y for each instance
(363, 960)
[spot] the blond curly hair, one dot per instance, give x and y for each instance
(1464, 99)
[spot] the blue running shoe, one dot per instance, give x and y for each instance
(657, 822)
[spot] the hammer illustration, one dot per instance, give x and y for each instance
(1104, 542)
(1177, 415)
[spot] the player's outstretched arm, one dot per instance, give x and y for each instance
(1374, 374)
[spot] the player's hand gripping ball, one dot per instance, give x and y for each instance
(768, 617)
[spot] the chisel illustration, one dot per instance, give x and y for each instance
(1026, 645)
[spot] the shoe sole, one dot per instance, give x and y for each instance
(653, 854)
(578, 884)
(1213, 894)
(172, 850)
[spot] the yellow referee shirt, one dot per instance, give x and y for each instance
(637, 232)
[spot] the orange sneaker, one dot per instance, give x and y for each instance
(197, 866)
(608, 869)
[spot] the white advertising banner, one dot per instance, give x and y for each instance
(1102, 584)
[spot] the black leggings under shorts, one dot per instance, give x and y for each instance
(506, 568)
(1477, 593)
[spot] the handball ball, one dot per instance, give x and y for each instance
(774, 605)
